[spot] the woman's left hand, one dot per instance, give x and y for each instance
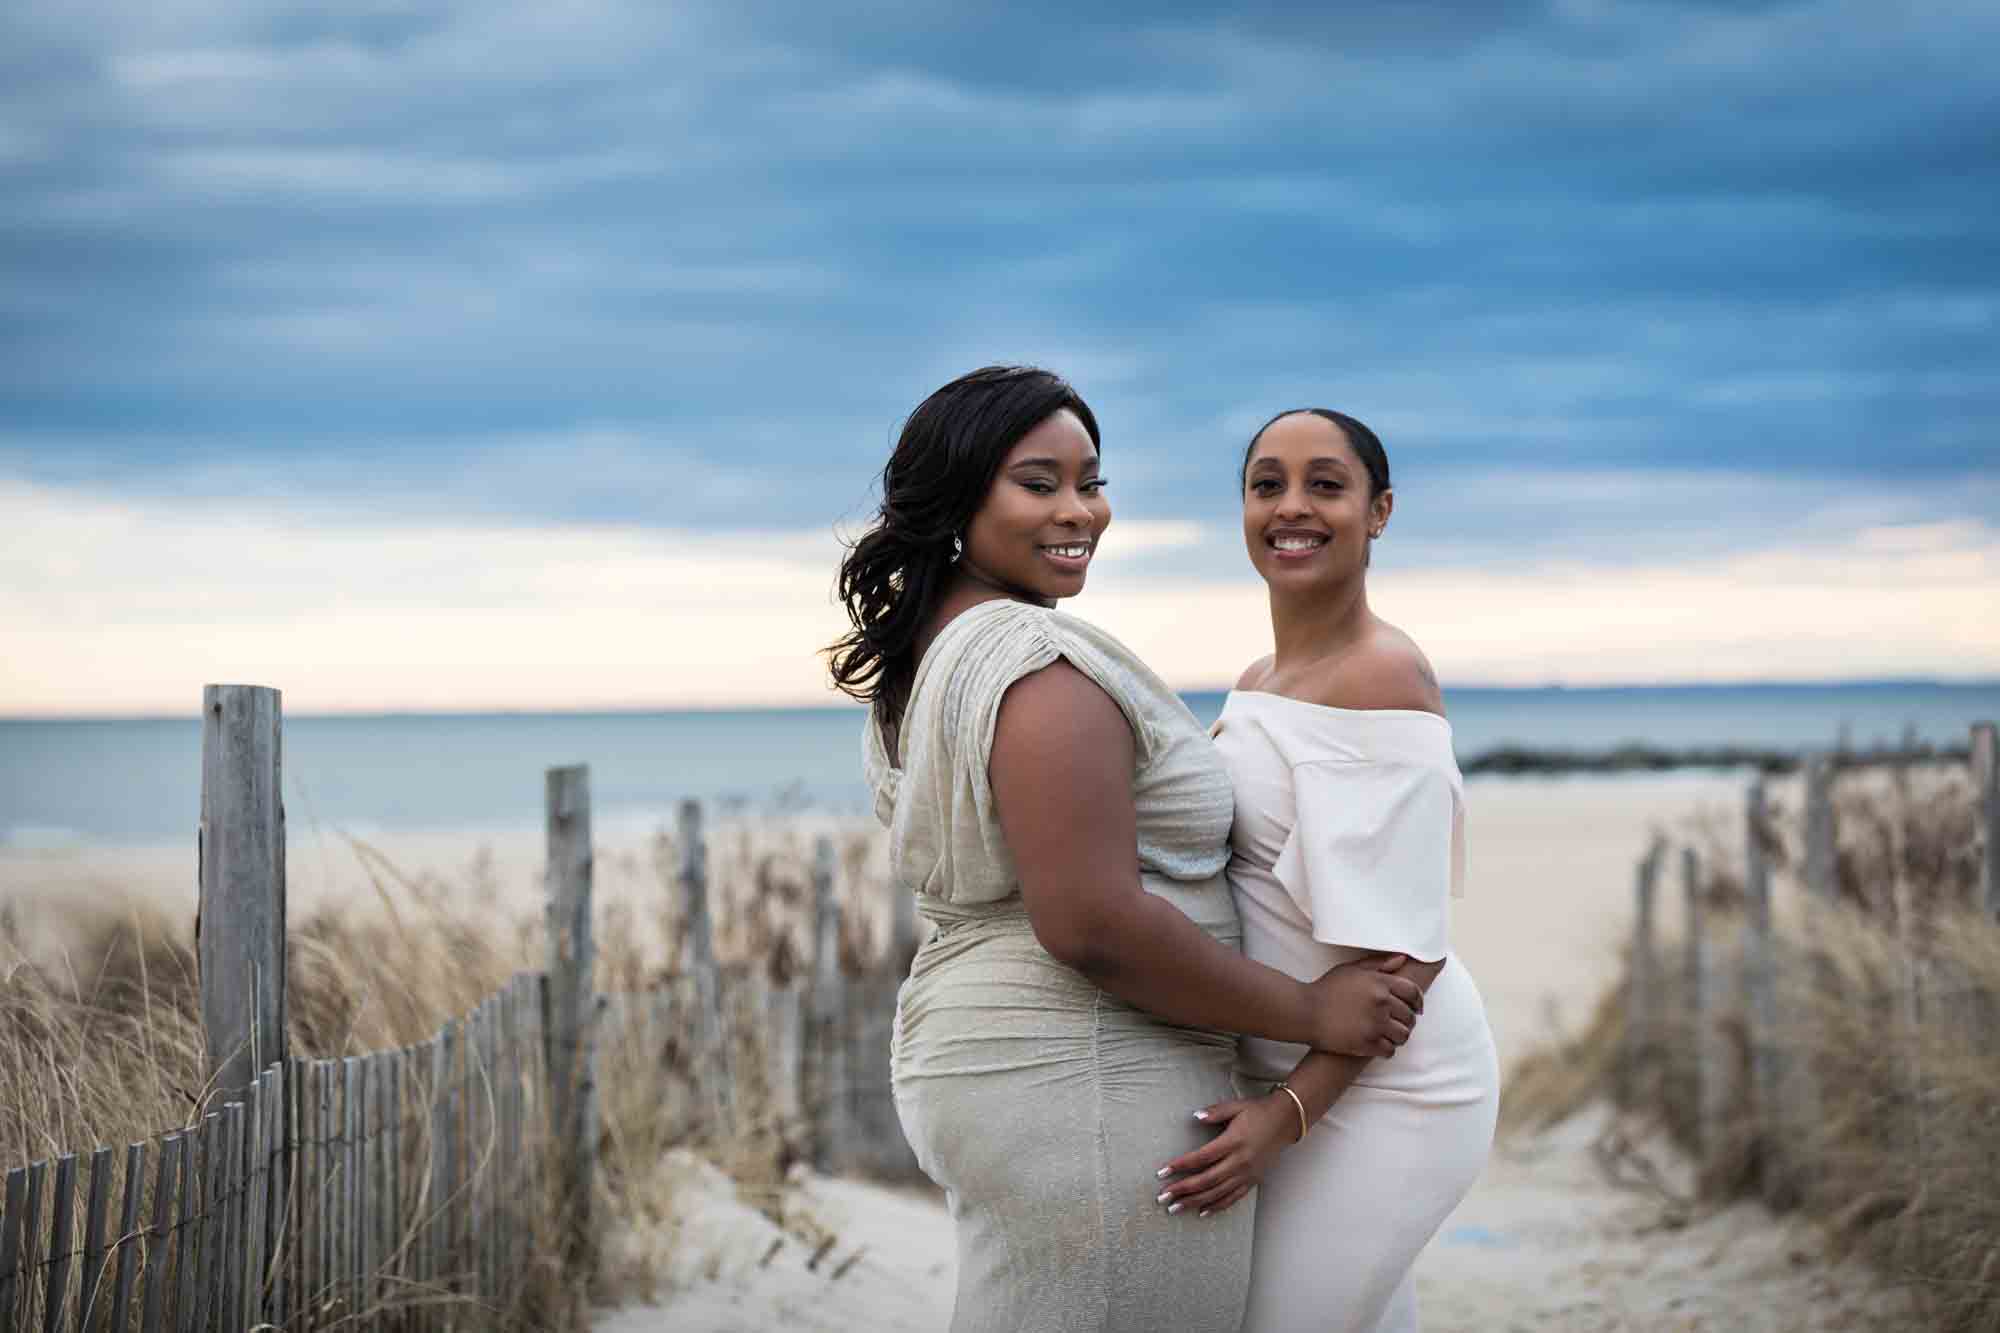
(1220, 1172)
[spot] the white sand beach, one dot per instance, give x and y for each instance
(1546, 1242)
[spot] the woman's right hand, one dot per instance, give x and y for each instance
(1364, 1008)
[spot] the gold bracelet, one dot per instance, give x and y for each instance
(1302, 1109)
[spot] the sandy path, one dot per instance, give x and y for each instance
(1546, 1241)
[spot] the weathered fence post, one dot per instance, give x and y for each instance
(1913, 930)
(1982, 1012)
(1643, 1002)
(825, 1051)
(1704, 1075)
(1986, 795)
(1819, 978)
(572, 1001)
(90, 1297)
(240, 925)
(1821, 864)
(240, 919)
(714, 1066)
(1724, 1132)
(14, 1237)
(784, 1046)
(56, 1288)
(1760, 966)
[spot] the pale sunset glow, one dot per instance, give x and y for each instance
(128, 607)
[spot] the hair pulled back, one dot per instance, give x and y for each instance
(1369, 449)
(944, 463)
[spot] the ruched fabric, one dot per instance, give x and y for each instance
(1041, 1104)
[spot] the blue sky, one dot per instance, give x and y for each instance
(1632, 291)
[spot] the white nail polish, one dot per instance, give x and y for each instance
(1164, 1196)
(1201, 1115)
(1163, 1173)
(1174, 1207)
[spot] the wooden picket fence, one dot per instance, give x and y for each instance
(419, 1188)
(399, 1189)
(1707, 1039)
(811, 1048)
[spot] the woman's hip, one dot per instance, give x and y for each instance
(1001, 1055)
(1046, 1124)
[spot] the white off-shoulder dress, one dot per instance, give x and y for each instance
(1039, 1102)
(1350, 838)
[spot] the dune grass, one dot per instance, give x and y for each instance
(101, 1040)
(1888, 1009)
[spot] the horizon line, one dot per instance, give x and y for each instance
(846, 705)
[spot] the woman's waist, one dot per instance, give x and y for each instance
(1001, 989)
(1206, 902)
(986, 957)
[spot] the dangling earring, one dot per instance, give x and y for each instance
(957, 547)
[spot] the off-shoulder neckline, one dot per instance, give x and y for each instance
(1346, 712)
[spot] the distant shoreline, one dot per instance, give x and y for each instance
(1657, 688)
(124, 781)
(1513, 760)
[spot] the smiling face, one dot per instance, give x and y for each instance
(1041, 519)
(1308, 507)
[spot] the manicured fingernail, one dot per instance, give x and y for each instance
(1204, 1212)
(1164, 1196)
(1201, 1115)
(1163, 1173)
(1174, 1207)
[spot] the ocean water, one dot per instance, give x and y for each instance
(129, 782)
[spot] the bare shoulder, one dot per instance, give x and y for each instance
(1386, 671)
(1255, 674)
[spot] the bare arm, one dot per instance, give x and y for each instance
(1218, 1174)
(1061, 772)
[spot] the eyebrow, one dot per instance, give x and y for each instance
(1333, 459)
(1018, 463)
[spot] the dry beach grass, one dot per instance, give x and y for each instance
(101, 1040)
(1886, 1002)
(98, 998)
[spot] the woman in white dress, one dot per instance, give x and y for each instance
(1349, 839)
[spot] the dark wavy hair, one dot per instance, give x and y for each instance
(1373, 456)
(944, 463)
